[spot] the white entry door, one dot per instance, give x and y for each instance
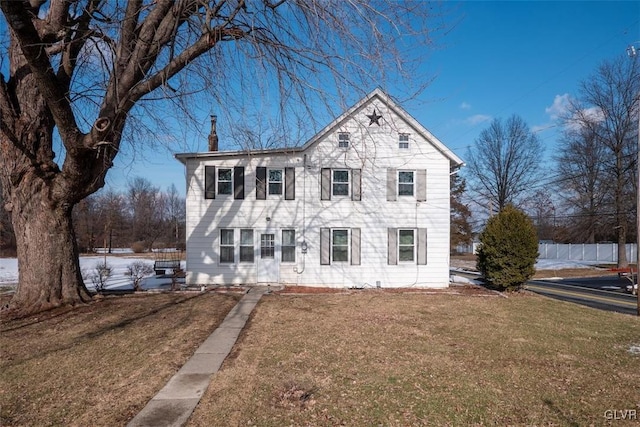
(268, 259)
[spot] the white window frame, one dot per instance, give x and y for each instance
(347, 245)
(279, 183)
(403, 141)
(225, 244)
(251, 245)
(341, 183)
(271, 247)
(344, 140)
(413, 245)
(220, 181)
(287, 247)
(405, 184)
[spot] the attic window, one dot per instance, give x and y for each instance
(403, 141)
(343, 140)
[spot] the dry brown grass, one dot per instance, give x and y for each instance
(356, 358)
(376, 358)
(98, 365)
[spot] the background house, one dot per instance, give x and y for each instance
(365, 202)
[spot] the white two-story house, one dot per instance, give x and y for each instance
(364, 203)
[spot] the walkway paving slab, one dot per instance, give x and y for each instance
(174, 404)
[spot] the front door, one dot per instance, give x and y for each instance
(268, 261)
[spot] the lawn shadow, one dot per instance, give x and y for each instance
(101, 331)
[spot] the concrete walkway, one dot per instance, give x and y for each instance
(173, 405)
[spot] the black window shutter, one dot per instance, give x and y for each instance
(209, 182)
(238, 182)
(261, 183)
(289, 183)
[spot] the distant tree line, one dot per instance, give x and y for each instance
(587, 192)
(141, 217)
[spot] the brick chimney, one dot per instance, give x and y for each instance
(213, 135)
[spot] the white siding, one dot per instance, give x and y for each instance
(373, 149)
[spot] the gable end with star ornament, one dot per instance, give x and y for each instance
(374, 118)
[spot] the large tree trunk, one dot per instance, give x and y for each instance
(49, 269)
(38, 199)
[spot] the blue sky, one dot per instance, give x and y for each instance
(498, 59)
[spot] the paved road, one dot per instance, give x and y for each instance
(605, 292)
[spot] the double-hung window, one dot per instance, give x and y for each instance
(405, 183)
(340, 245)
(227, 246)
(288, 246)
(343, 140)
(225, 181)
(406, 245)
(247, 252)
(340, 182)
(275, 181)
(403, 141)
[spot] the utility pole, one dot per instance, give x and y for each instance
(633, 52)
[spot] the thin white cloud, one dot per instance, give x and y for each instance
(559, 107)
(477, 119)
(465, 106)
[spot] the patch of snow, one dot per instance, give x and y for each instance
(561, 264)
(634, 349)
(118, 280)
(463, 280)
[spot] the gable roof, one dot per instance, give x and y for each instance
(377, 93)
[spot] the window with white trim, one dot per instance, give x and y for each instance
(340, 182)
(227, 246)
(288, 246)
(225, 181)
(247, 250)
(403, 140)
(275, 177)
(343, 140)
(340, 245)
(406, 180)
(406, 245)
(267, 246)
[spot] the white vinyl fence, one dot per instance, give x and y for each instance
(602, 252)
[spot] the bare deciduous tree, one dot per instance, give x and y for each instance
(80, 71)
(607, 109)
(582, 185)
(504, 161)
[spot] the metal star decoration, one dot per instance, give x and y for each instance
(374, 118)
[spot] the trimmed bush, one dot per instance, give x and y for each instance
(138, 247)
(508, 249)
(102, 272)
